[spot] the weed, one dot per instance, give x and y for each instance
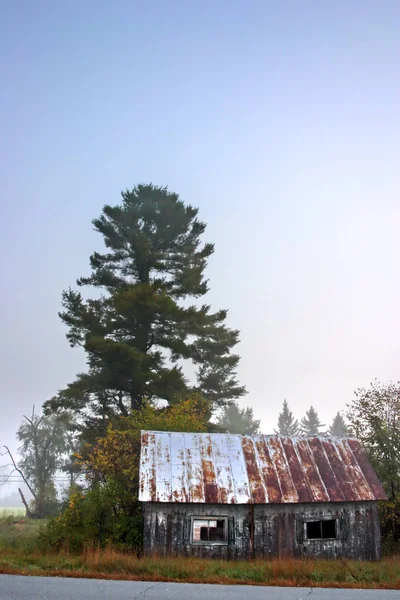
(19, 554)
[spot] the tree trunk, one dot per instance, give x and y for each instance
(136, 401)
(29, 513)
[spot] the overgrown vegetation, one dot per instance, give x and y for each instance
(110, 564)
(107, 510)
(18, 534)
(374, 417)
(23, 550)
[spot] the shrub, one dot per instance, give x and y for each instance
(389, 513)
(97, 517)
(109, 511)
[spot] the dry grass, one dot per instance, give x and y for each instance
(19, 555)
(110, 564)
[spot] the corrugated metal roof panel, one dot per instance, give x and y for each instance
(234, 469)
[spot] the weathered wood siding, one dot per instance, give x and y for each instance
(279, 530)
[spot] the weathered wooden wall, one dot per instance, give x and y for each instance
(278, 530)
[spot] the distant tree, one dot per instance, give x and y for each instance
(238, 420)
(139, 327)
(310, 423)
(43, 450)
(374, 417)
(338, 426)
(287, 424)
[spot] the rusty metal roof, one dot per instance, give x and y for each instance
(234, 469)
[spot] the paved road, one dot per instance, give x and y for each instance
(59, 588)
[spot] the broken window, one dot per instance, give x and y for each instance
(321, 530)
(210, 531)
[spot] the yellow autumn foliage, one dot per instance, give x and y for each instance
(116, 456)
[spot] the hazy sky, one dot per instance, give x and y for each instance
(279, 120)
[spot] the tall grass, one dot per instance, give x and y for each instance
(19, 554)
(18, 533)
(112, 564)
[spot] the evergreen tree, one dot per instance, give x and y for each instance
(287, 424)
(140, 328)
(338, 426)
(238, 420)
(310, 423)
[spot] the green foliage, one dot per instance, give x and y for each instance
(95, 517)
(140, 328)
(310, 423)
(19, 534)
(108, 511)
(287, 424)
(374, 417)
(234, 419)
(389, 513)
(338, 426)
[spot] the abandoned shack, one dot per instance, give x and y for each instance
(233, 496)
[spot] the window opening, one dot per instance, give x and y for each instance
(209, 531)
(321, 530)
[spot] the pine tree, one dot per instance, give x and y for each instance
(238, 420)
(338, 426)
(310, 423)
(287, 424)
(139, 328)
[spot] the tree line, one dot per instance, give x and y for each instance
(141, 319)
(310, 424)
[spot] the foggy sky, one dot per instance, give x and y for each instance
(279, 120)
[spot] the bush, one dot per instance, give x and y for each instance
(98, 517)
(109, 511)
(389, 513)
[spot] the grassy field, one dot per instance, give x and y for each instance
(6, 511)
(18, 554)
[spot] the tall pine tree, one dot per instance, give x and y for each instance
(338, 426)
(238, 420)
(287, 424)
(310, 423)
(142, 325)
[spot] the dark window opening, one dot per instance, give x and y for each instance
(314, 530)
(321, 530)
(209, 530)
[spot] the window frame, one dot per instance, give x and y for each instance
(321, 520)
(224, 542)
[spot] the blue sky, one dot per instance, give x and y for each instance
(279, 120)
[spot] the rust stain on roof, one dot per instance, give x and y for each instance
(297, 473)
(325, 471)
(257, 490)
(234, 469)
(287, 485)
(274, 495)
